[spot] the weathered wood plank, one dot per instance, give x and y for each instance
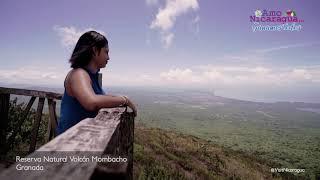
(4, 109)
(90, 137)
(88, 134)
(52, 124)
(26, 92)
(49, 130)
(20, 122)
(127, 139)
(121, 143)
(36, 124)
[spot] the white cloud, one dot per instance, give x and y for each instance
(196, 19)
(301, 74)
(135, 79)
(177, 74)
(54, 76)
(33, 75)
(233, 77)
(167, 16)
(145, 77)
(70, 35)
(167, 39)
(261, 70)
(261, 56)
(195, 24)
(151, 2)
(268, 50)
(253, 78)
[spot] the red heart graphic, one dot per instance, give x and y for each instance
(289, 12)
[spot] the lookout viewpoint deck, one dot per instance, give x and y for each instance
(85, 151)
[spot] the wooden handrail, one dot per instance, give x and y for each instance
(4, 106)
(109, 133)
(42, 95)
(33, 93)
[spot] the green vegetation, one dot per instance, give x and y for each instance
(278, 133)
(187, 136)
(21, 143)
(165, 154)
(290, 147)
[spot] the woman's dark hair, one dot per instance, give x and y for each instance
(83, 50)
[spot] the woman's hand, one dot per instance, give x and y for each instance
(131, 105)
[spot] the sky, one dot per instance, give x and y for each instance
(191, 44)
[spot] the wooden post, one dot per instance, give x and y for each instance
(120, 144)
(52, 124)
(4, 110)
(126, 141)
(34, 133)
(21, 120)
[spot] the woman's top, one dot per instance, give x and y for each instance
(71, 111)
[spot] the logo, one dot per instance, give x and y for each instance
(258, 13)
(271, 20)
(291, 13)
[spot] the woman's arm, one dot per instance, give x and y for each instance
(83, 92)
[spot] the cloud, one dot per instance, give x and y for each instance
(301, 74)
(181, 75)
(167, 16)
(70, 35)
(237, 79)
(196, 19)
(119, 79)
(287, 47)
(262, 56)
(33, 75)
(244, 82)
(167, 39)
(195, 24)
(151, 2)
(36, 75)
(243, 76)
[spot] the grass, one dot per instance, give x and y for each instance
(165, 154)
(288, 138)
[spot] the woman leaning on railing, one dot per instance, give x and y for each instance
(83, 96)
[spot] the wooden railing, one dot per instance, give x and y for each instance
(110, 134)
(4, 110)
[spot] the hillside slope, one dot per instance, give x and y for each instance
(164, 154)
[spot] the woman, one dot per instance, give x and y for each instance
(83, 96)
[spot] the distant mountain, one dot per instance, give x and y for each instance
(196, 97)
